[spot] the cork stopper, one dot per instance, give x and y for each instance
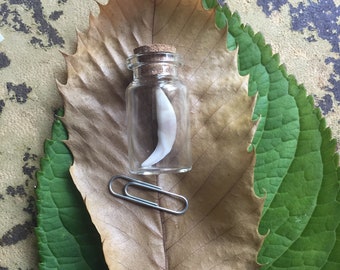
(155, 48)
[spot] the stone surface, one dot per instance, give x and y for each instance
(305, 33)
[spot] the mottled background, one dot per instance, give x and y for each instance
(305, 33)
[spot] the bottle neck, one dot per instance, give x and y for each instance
(154, 65)
(154, 70)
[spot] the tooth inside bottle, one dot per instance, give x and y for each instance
(166, 132)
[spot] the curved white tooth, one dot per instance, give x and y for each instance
(166, 120)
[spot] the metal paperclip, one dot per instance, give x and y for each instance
(137, 183)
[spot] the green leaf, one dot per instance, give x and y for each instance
(67, 238)
(208, 4)
(297, 168)
(220, 18)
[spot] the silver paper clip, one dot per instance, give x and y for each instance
(137, 183)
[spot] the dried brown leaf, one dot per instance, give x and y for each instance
(219, 230)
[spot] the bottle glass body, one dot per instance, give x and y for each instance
(157, 116)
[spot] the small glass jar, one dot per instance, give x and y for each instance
(157, 113)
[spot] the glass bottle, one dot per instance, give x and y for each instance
(157, 113)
